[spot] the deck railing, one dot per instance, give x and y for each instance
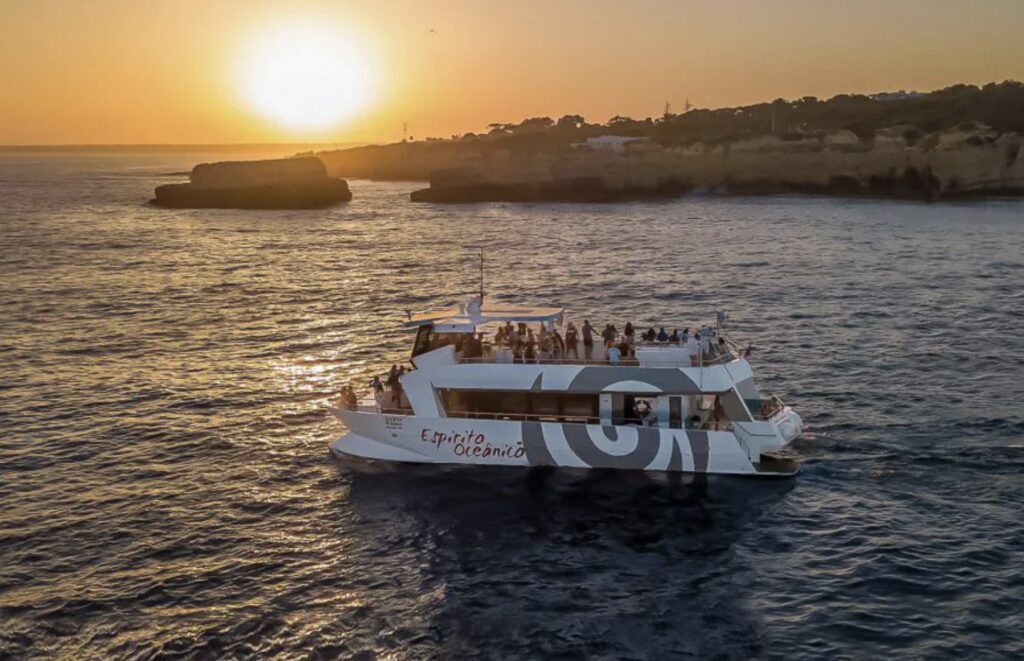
(702, 360)
(622, 362)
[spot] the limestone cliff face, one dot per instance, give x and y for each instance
(894, 163)
(941, 165)
(240, 174)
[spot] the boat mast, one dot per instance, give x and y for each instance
(481, 278)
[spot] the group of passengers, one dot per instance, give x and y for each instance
(388, 393)
(530, 347)
(549, 344)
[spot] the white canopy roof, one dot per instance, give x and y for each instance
(464, 320)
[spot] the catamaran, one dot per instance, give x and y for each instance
(664, 406)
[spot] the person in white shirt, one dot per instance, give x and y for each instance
(378, 392)
(692, 348)
(613, 353)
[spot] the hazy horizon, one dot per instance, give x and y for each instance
(315, 72)
(329, 144)
(176, 146)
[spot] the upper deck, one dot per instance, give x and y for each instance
(504, 334)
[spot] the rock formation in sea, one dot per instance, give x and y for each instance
(286, 183)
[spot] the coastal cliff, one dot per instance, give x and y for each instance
(286, 183)
(893, 163)
(959, 142)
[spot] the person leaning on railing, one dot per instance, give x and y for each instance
(348, 398)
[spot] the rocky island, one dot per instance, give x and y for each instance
(959, 142)
(286, 183)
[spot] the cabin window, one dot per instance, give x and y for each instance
(675, 412)
(630, 409)
(519, 404)
(707, 413)
(427, 340)
(422, 343)
(704, 412)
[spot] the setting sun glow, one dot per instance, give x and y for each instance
(306, 77)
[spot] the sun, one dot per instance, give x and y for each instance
(306, 76)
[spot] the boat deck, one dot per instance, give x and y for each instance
(648, 357)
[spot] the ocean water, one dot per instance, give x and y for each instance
(166, 487)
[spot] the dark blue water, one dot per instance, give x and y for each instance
(166, 488)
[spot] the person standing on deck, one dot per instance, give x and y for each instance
(530, 348)
(692, 347)
(396, 387)
(558, 345)
(473, 347)
(544, 345)
(608, 334)
(378, 391)
(705, 340)
(588, 340)
(572, 340)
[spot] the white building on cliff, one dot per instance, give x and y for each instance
(614, 143)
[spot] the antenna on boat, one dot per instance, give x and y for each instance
(481, 278)
(720, 318)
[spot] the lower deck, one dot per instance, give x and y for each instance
(699, 412)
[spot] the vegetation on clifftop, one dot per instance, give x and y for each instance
(996, 105)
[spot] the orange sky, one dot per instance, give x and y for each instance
(122, 71)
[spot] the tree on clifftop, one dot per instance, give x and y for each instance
(534, 124)
(571, 122)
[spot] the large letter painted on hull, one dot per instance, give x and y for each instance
(647, 447)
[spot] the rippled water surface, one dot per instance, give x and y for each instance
(166, 487)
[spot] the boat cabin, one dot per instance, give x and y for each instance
(467, 334)
(466, 328)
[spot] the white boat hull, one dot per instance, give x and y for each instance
(407, 438)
